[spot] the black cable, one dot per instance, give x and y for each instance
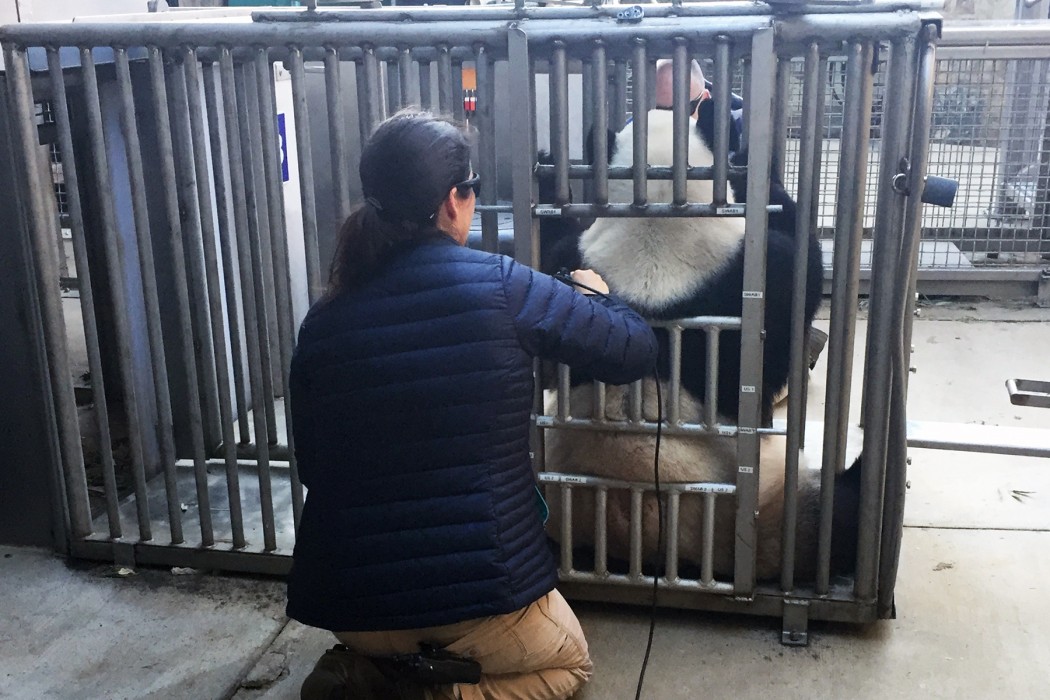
(659, 532)
(563, 275)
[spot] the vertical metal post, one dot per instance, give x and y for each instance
(303, 142)
(711, 399)
(115, 255)
(636, 534)
(882, 329)
(674, 408)
(220, 178)
(158, 363)
(599, 143)
(587, 110)
(404, 76)
(897, 451)
(281, 263)
(640, 123)
(601, 531)
(369, 112)
(194, 182)
(845, 286)
(337, 127)
(247, 257)
(486, 116)
(809, 161)
(253, 272)
(426, 92)
(760, 99)
(559, 126)
(671, 533)
(393, 88)
(707, 556)
(232, 316)
(723, 116)
(258, 214)
(87, 302)
(445, 79)
(522, 148)
(681, 122)
(566, 528)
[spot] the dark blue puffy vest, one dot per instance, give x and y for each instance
(411, 400)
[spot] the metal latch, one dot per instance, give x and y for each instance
(634, 13)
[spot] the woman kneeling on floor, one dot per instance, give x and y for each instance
(421, 544)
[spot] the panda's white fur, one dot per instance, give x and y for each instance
(652, 263)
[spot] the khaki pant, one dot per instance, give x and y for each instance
(536, 653)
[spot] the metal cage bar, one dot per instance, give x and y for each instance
(81, 524)
(115, 255)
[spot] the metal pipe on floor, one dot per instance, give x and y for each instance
(87, 303)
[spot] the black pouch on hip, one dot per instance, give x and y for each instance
(436, 666)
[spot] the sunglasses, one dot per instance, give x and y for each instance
(473, 182)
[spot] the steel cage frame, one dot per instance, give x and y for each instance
(221, 195)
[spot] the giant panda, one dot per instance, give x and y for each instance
(670, 268)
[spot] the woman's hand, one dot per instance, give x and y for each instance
(591, 279)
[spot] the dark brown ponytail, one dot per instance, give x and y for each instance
(408, 167)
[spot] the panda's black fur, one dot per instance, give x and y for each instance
(694, 267)
(721, 294)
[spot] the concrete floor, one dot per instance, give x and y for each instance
(971, 610)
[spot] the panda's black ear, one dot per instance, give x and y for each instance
(705, 125)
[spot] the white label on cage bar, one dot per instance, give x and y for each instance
(731, 210)
(752, 295)
(746, 431)
(747, 389)
(728, 432)
(746, 470)
(547, 211)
